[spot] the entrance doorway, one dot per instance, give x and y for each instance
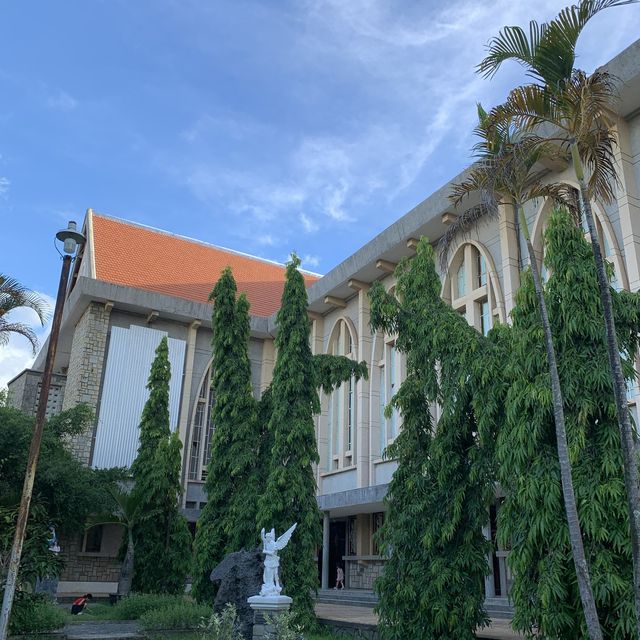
(337, 548)
(501, 574)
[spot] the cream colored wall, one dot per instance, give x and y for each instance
(497, 239)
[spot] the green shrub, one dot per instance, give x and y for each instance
(185, 615)
(284, 627)
(134, 606)
(222, 626)
(34, 613)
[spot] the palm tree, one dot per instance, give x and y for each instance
(505, 174)
(125, 513)
(13, 296)
(575, 108)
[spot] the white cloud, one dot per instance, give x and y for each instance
(393, 89)
(231, 126)
(266, 240)
(309, 225)
(62, 101)
(309, 261)
(17, 354)
(5, 183)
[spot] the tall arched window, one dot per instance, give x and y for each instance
(342, 402)
(386, 375)
(605, 234)
(472, 288)
(201, 431)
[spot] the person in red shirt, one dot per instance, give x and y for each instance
(80, 604)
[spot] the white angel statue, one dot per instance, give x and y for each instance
(270, 546)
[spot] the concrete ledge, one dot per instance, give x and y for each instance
(352, 497)
(76, 588)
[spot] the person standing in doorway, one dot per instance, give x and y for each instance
(339, 578)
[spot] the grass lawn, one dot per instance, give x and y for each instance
(190, 635)
(96, 611)
(103, 611)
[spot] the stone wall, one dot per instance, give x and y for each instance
(86, 364)
(24, 392)
(361, 574)
(87, 567)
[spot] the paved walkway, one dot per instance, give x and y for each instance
(101, 630)
(124, 629)
(499, 629)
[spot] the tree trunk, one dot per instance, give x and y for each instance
(627, 440)
(575, 534)
(126, 571)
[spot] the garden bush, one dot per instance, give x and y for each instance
(134, 606)
(222, 626)
(284, 627)
(185, 615)
(34, 613)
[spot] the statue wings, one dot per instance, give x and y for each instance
(283, 540)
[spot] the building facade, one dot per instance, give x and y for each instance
(132, 285)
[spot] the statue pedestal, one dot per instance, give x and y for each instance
(270, 605)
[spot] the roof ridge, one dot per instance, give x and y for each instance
(196, 241)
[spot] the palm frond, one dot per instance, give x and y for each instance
(477, 179)
(7, 328)
(528, 107)
(461, 226)
(597, 150)
(13, 295)
(97, 519)
(555, 57)
(512, 43)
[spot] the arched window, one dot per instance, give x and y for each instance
(474, 289)
(605, 235)
(342, 402)
(201, 431)
(386, 374)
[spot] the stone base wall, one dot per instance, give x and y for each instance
(350, 629)
(361, 574)
(85, 567)
(86, 363)
(24, 392)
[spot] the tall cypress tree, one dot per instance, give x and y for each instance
(432, 586)
(154, 423)
(290, 492)
(161, 536)
(228, 521)
(532, 521)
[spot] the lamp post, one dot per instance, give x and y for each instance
(71, 239)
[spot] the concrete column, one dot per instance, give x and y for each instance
(489, 589)
(321, 421)
(509, 249)
(628, 201)
(325, 550)
(185, 414)
(471, 311)
(363, 454)
(268, 362)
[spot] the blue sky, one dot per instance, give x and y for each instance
(267, 127)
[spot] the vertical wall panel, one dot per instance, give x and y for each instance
(131, 352)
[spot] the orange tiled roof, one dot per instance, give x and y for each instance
(135, 256)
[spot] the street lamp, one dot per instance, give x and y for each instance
(71, 239)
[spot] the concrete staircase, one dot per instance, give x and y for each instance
(348, 597)
(499, 608)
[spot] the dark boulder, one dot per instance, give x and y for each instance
(238, 577)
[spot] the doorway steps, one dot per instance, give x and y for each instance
(348, 597)
(499, 608)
